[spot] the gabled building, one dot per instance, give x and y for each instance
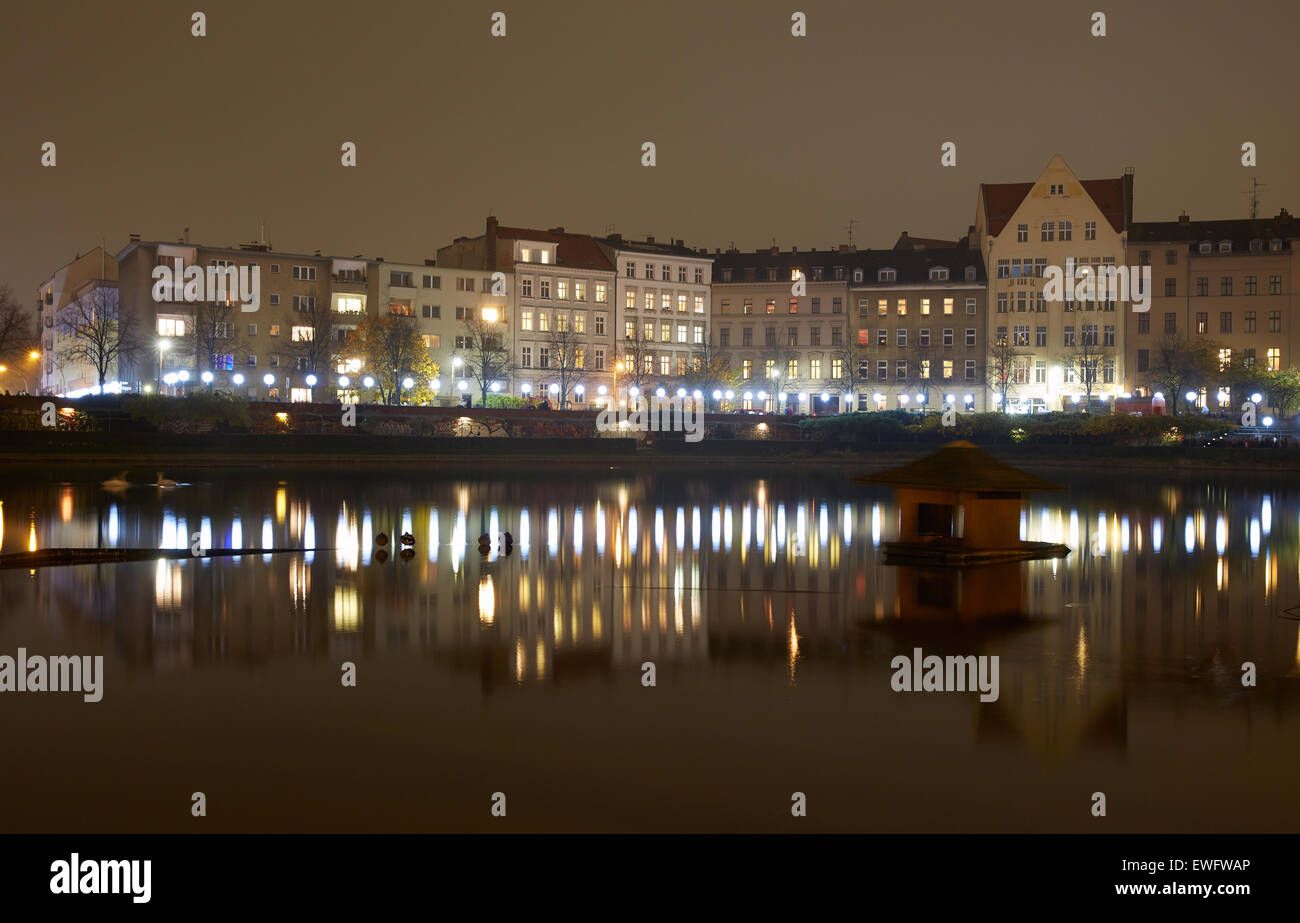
(1023, 228)
(1229, 282)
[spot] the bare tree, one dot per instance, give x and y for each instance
(636, 353)
(566, 357)
(1179, 364)
(486, 354)
(711, 370)
(214, 331)
(1000, 368)
(313, 345)
(15, 326)
(99, 334)
(1083, 363)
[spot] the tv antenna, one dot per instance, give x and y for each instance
(1253, 192)
(849, 228)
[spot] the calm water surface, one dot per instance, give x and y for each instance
(763, 603)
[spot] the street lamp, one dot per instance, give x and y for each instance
(368, 381)
(207, 378)
(237, 378)
(344, 381)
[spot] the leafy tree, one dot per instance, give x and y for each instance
(1284, 390)
(393, 350)
(1179, 364)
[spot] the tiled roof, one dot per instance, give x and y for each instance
(577, 250)
(960, 466)
(1238, 230)
(910, 265)
(1113, 198)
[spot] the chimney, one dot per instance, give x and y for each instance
(649, 238)
(680, 243)
(135, 238)
(490, 244)
(775, 251)
(844, 248)
(794, 249)
(1183, 219)
(559, 230)
(430, 262)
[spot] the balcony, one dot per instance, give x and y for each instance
(348, 282)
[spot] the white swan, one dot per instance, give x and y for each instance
(117, 483)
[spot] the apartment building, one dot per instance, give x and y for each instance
(560, 324)
(439, 299)
(1229, 282)
(91, 279)
(260, 351)
(1056, 220)
(919, 326)
(781, 320)
(662, 304)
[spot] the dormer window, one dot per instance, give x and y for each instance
(545, 255)
(970, 273)
(1205, 246)
(1275, 245)
(771, 273)
(1256, 245)
(938, 273)
(818, 272)
(857, 275)
(1225, 246)
(839, 272)
(886, 275)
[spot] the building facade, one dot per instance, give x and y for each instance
(662, 305)
(560, 325)
(1228, 283)
(920, 326)
(1023, 229)
(780, 320)
(258, 353)
(439, 299)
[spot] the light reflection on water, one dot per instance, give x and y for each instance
(720, 582)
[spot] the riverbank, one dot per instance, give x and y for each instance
(33, 453)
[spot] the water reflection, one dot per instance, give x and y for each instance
(720, 577)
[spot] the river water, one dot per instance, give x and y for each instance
(762, 603)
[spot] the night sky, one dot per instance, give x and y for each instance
(760, 135)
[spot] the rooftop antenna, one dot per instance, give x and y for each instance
(852, 221)
(1253, 192)
(187, 235)
(261, 232)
